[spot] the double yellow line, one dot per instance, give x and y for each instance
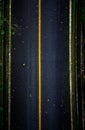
(39, 67)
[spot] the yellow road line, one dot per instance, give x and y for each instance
(39, 66)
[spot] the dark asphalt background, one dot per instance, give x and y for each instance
(55, 65)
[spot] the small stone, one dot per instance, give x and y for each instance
(24, 64)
